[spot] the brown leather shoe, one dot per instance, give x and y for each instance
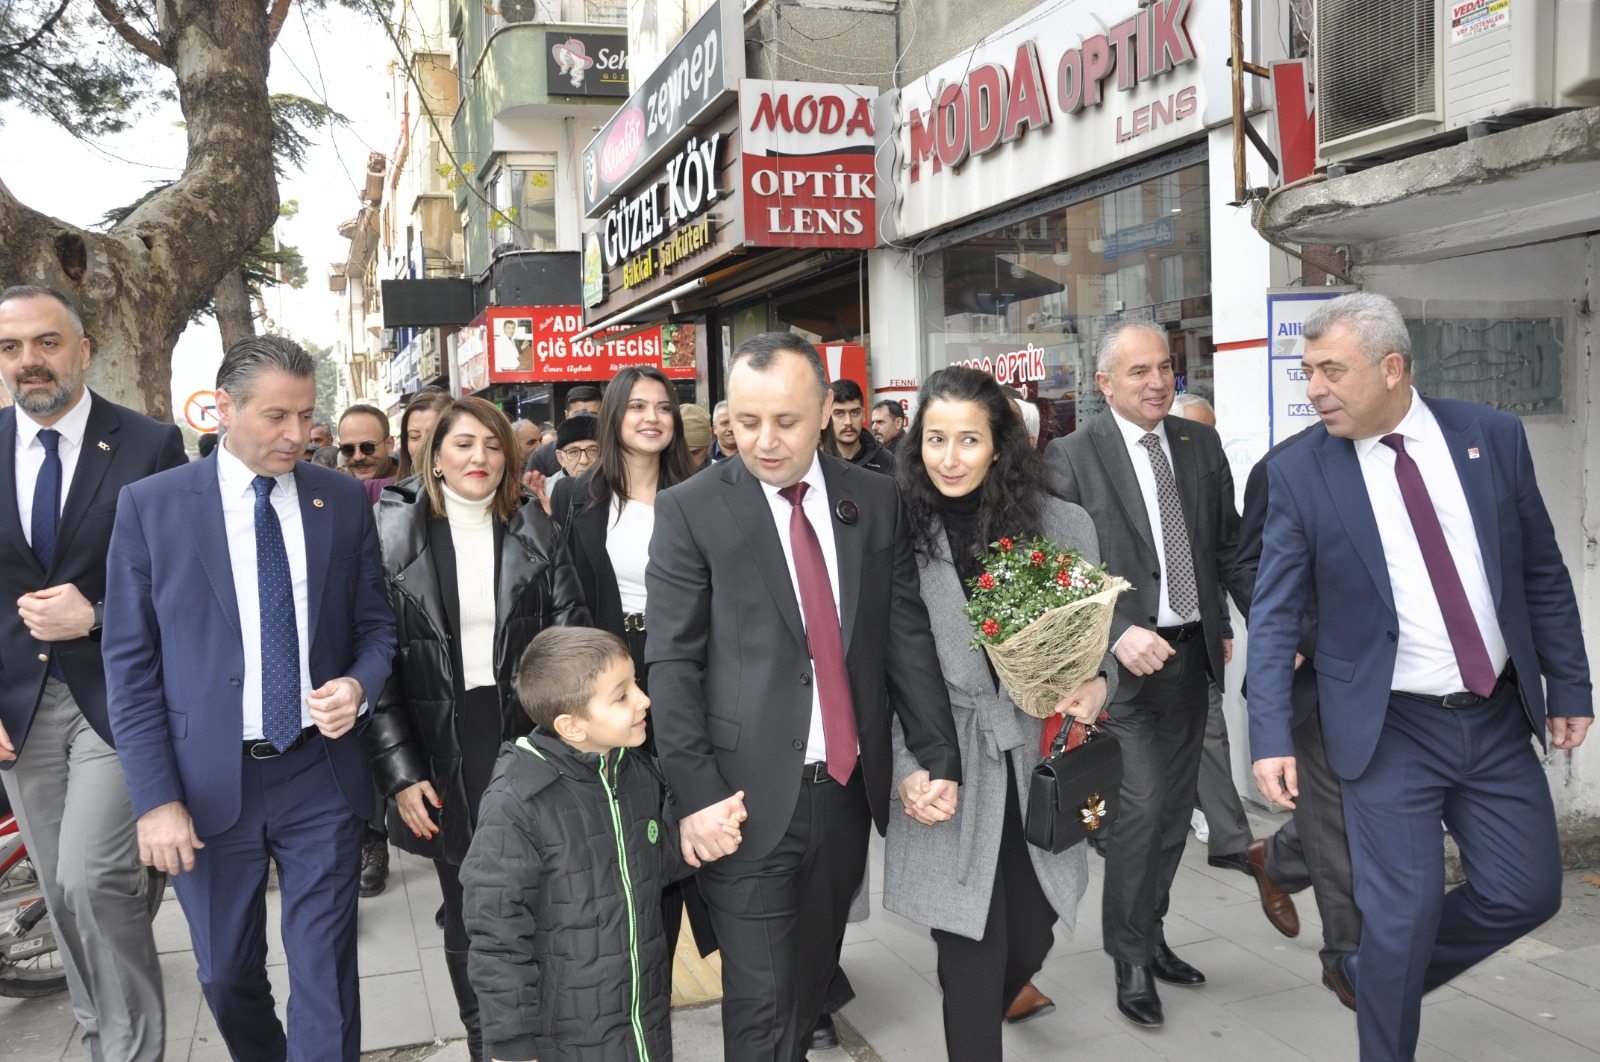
(1336, 979)
(1276, 904)
(1030, 1003)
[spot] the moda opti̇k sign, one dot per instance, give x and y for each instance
(809, 164)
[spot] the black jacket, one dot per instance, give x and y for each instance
(413, 736)
(562, 901)
(584, 525)
(874, 455)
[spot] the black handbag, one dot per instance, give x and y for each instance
(1074, 794)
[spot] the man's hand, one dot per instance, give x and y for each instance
(1085, 702)
(167, 840)
(929, 801)
(1227, 650)
(1566, 731)
(1277, 779)
(57, 613)
(703, 834)
(412, 802)
(1142, 651)
(8, 751)
(334, 706)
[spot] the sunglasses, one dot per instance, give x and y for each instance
(367, 449)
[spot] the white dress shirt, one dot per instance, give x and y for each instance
(628, 546)
(1145, 473)
(1425, 661)
(815, 506)
(30, 456)
(237, 483)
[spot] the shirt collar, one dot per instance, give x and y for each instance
(1132, 433)
(813, 479)
(236, 479)
(72, 427)
(1412, 426)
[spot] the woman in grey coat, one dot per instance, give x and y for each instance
(969, 477)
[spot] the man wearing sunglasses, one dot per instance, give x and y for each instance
(366, 448)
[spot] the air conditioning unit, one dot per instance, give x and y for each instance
(1393, 73)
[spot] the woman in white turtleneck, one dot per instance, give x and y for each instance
(474, 572)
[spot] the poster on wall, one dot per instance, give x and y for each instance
(539, 343)
(472, 357)
(1288, 410)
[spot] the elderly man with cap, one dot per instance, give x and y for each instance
(696, 434)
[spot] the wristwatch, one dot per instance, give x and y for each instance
(99, 619)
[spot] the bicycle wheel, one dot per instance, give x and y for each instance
(30, 965)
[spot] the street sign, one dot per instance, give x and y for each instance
(201, 412)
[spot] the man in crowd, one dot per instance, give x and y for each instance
(696, 434)
(856, 445)
(773, 674)
(65, 453)
(246, 629)
(529, 436)
(1447, 629)
(888, 421)
(321, 435)
(584, 398)
(367, 448)
(1162, 500)
(727, 444)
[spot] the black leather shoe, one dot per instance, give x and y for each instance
(1336, 979)
(374, 866)
(1174, 971)
(1136, 995)
(1232, 861)
(824, 1037)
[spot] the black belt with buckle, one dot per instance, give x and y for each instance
(1461, 698)
(266, 750)
(633, 621)
(815, 772)
(1181, 633)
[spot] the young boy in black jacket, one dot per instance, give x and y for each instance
(562, 883)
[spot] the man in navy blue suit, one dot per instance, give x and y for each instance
(1442, 602)
(246, 629)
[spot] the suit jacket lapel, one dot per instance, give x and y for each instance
(1477, 482)
(1119, 469)
(1348, 488)
(318, 524)
(1187, 473)
(10, 516)
(94, 458)
(748, 503)
(202, 510)
(847, 549)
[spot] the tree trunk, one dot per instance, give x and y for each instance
(137, 283)
(235, 315)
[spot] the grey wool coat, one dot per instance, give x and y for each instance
(941, 876)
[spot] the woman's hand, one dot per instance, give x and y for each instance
(413, 810)
(927, 802)
(1085, 702)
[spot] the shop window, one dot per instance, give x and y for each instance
(1028, 299)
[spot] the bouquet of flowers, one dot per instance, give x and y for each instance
(1044, 617)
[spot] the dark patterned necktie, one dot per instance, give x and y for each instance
(1459, 622)
(823, 637)
(1181, 592)
(280, 638)
(46, 517)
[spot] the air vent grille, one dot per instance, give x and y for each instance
(1375, 64)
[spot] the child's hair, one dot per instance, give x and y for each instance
(557, 672)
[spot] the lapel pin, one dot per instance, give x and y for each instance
(847, 512)
(1183, 438)
(1472, 453)
(317, 502)
(104, 447)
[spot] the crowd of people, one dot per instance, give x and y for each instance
(661, 664)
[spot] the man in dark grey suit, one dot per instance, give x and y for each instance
(1161, 496)
(65, 453)
(789, 626)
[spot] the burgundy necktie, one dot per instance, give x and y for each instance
(822, 634)
(1471, 656)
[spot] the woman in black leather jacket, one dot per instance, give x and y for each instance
(474, 570)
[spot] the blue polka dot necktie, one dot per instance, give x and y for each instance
(280, 638)
(46, 517)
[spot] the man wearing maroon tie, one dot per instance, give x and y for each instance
(1447, 636)
(793, 629)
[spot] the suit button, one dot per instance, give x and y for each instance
(234, 682)
(1155, 575)
(44, 658)
(1390, 634)
(799, 746)
(805, 680)
(1152, 619)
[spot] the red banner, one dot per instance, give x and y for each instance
(535, 343)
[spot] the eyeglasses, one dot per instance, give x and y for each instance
(367, 449)
(580, 453)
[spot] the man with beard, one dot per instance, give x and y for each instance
(65, 453)
(887, 421)
(856, 445)
(367, 448)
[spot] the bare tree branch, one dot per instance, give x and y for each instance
(37, 35)
(119, 22)
(275, 20)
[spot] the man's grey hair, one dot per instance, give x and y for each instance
(718, 408)
(320, 420)
(247, 359)
(35, 291)
(1105, 348)
(1190, 401)
(1373, 320)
